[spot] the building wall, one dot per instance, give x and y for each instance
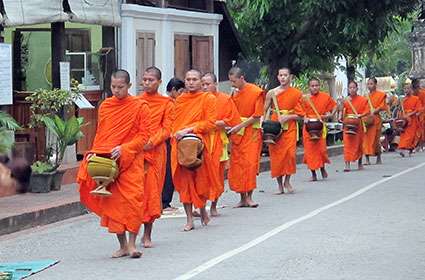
(164, 23)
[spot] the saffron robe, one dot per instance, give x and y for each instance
(408, 138)
(353, 149)
(246, 151)
(283, 153)
(372, 142)
(315, 151)
(126, 123)
(198, 110)
(162, 116)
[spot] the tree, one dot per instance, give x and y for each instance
(309, 34)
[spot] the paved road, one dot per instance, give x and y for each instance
(360, 225)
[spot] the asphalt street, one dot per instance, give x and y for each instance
(366, 224)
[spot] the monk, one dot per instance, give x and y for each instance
(246, 151)
(410, 110)
(320, 106)
(227, 116)
(196, 113)
(372, 138)
(283, 153)
(355, 106)
(122, 132)
(162, 116)
(419, 92)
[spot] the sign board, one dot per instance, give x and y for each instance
(6, 82)
(65, 75)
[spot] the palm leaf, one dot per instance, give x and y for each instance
(8, 122)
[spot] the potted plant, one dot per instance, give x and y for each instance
(45, 105)
(67, 133)
(7, 125)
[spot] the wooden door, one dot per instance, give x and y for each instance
(145, 55)
(182, 59)
(203, 53)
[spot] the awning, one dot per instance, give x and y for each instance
(102, 12)
(24, 12)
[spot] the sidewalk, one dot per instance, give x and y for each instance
(29, 210)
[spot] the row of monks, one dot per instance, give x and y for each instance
(133, 130)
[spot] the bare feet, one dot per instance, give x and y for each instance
(147, 242)
(195, 213)
(402, 154)
(188, 227)
(123, 252)
(289, 188)
(204, 217)
(360, 167)
(324, 173)
(241, 204)
(134, 254)
(214, 212)
(280, 190)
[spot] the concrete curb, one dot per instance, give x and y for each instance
(51, 214)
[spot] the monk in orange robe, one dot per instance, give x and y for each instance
(411, 107)
(372, 138)
(246, 151)
(196, 113)
(420, 92)
(320, 106)
(162, 116)
(283, 153)
(122, 132)
(227, 116)
(355, 106)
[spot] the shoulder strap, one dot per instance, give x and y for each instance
(351, 105)
(313, 107)
(276, 105)
(370, 103)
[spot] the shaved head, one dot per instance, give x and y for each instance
(192, 71)
(237, 72)
(121, 74)
(212, 76)
(286, 68)
(155, 71)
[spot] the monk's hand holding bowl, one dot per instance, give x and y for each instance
(148, 146)
(116, 152)
(179, 134)
(220, 123)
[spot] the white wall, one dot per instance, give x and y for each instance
(164, 23)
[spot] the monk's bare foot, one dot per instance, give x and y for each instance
(188, 227)
(347, 169)
(251, 203)
(378, 161)
(147, 242)
(195, 213)
(123, 252)
(361, 167)
(290, 188)
(314, 178)
(214, 212)
(280, 190)
(324, 173)
(135, 254)
(241, 204)
(205, 220)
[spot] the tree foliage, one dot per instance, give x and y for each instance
(308, 34)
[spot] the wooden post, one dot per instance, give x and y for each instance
(110, 62)
(58, 50)
(1, 34)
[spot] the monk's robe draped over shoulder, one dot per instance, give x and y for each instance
(315, 151)
(353, 143)
(198, 110)
(408, 138)
(227, 112)
(246, 151)
(123, 122)
(372, 142)
(162, 116)
(283, 153)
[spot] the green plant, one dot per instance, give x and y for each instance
(40, 167)
(67, 133)
(45, 102)
(7, 124)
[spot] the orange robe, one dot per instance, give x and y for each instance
(162, 116)
(227, 112)
(197, 110)
(353, 143)
(246, 151)
(283, 153)
(372, 143)
(408, 138)
(123, 122)
(421, 95)
(315, 151)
